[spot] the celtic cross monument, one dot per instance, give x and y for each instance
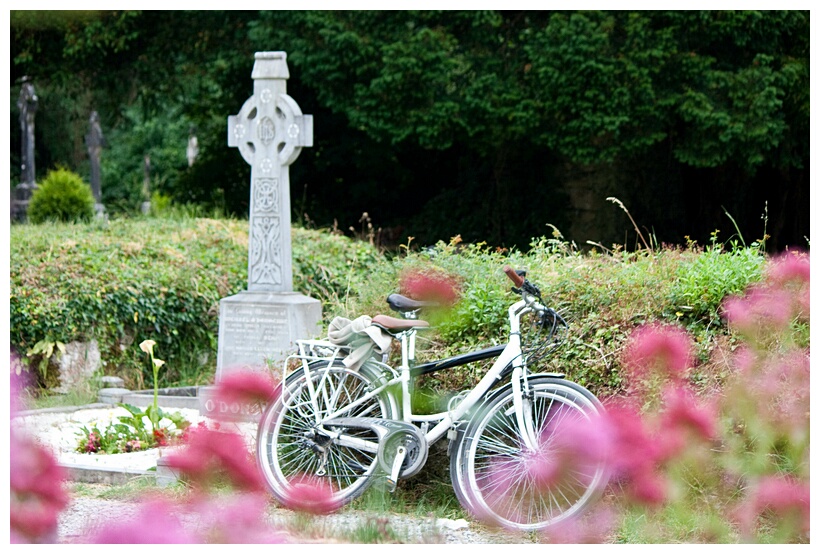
(259, 325)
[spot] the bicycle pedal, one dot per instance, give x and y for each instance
(401, 453)
(391, 485)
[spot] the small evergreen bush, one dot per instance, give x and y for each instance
(62, 196)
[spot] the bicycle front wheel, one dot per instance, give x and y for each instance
(522, 488)
(294, 448)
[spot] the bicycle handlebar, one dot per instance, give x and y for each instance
(517, 280)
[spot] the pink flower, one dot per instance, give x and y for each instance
(594, 527)
(311, 495)
(662, 349)
(37, 495)
(787, 498)
(208, 453)
(762, 311)
(156, 523)
(633, 450)
(247, 387)
(430, 285)
(685, 417)
(791, 267)
(648, 488)
(237, 519)
(634, 453)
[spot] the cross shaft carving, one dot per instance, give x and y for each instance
(270, 132)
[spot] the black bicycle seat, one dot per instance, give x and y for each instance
(403, 304)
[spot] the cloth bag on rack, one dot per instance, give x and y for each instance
(364, 339)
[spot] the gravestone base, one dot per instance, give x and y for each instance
(257, 331)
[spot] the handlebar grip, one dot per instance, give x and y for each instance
(517, 280)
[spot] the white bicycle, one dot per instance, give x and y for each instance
(348, 428)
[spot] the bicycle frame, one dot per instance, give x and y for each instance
(511, 355)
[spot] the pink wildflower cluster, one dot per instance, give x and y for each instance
(768, 308)
(37, 494)
(94, 442)
(430, 285)
(311, 495)
(209, 454)
(662, 351)
(785, 498)
(248, 387)
(761, 418)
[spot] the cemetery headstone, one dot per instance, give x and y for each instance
(145, 207)
(192, 151)
(95, 141)
(258, 326)
(27, 105)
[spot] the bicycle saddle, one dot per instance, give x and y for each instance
(403, 304)
(395, 324)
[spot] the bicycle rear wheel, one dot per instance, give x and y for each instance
(292, 448)
(510, 485)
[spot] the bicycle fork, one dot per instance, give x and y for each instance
(523, 412)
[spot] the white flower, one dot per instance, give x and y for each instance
(147, 346)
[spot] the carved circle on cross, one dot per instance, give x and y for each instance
(239, 131)
(265, 96)
(266, 165)
(267, 195)
(290, 148)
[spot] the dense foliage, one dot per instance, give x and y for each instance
(161, 279)
(490, 124)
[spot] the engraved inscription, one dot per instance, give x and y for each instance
(266, 130)
(253, 332)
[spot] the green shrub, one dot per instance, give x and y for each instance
(62, 196)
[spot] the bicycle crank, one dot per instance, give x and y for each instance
(402, 446)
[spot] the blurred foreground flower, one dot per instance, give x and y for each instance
(311, 495)
(36, 484)
(430, 285)
(661, 350)
(210, 455)
(236, 519)
(37, 495)
(784, 498)
(247, 387)
(156, 523)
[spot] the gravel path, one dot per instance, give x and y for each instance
(88, 511)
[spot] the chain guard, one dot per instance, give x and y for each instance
(392, 434)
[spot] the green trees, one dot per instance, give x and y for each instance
(489, 124)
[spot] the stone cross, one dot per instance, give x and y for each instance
(21, 194)
(95, 141)
(27, 104)
(145, 207)
(270, 131)
(258, 327)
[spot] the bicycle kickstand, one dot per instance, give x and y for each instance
(401, 453)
